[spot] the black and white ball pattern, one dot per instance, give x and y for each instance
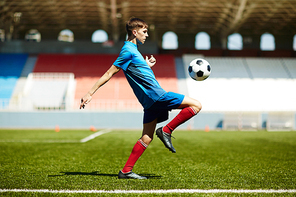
(199, 69)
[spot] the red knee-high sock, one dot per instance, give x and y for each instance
(184, 115)
(137, 151)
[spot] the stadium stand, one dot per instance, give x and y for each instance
(289, 64)
(11, 68)
(44, 91)
(12, 64)
(15, 102)
(267, 68)
(49, 90)
(246, 85)
(233, 67)
(29, 66)
(181, 75)
(87, 68)
(240, 88)
(229, 68)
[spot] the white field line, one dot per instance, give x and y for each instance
(95, 135)
(88, 138)
(210, 191)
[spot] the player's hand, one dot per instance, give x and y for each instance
(151, 61)
(85, 100)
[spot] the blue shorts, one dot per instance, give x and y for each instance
(160, 109)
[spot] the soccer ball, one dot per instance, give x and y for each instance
(199, 69)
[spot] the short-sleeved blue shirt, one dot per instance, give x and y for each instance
(139, 75)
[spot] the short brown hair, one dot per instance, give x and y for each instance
(134, 23)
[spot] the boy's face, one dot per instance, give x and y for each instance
(141, 35)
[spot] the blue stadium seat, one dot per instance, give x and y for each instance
(11, 66)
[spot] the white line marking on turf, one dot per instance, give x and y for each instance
(88, 138)
(210, 191)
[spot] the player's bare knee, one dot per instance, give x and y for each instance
(197, 106)
(147, 139)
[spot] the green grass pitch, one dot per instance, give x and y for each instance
(45, 159)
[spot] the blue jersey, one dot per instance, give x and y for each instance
(139, 75)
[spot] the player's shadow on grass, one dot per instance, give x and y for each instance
(96, 173)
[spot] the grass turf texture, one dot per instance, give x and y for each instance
(44, 159)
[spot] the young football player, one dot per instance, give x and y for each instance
(156, 101)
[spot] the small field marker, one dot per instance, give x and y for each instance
(92, 128)
(57, 128)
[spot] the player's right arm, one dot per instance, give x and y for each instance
(104, 79)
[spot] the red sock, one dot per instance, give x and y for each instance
(182, 117)
(137, 151)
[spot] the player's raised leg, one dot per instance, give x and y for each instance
(190, 107)
(138, 150)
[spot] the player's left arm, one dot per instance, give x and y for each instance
(104, 79)
(151, 61)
